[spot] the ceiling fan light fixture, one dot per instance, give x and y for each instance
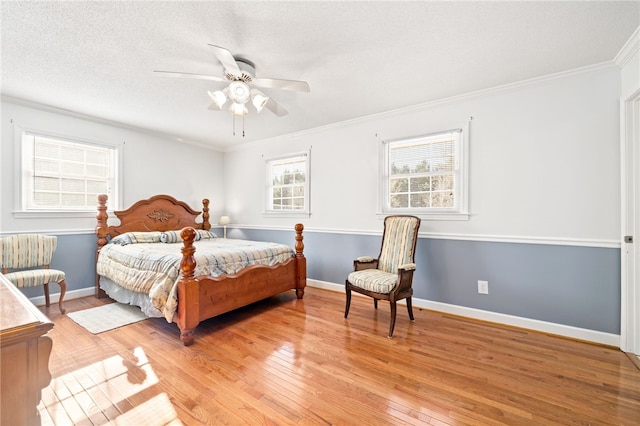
(239, 110)
(239, 79)
(258, 99)
(239, 92)
(218, 98)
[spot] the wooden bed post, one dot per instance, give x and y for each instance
(101, 231)
(188, 314)
(205, 215)
(301, 261)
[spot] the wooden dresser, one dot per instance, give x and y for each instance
(24, 356)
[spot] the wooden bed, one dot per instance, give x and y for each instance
(201, 297)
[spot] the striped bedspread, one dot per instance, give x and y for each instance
(154, 268)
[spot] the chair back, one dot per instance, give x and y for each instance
(27, 250)
(398, 242)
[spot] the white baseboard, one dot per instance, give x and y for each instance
(510, 320)
(69, 295)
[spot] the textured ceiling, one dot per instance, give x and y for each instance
(360, 58)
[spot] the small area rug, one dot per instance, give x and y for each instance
(107, 317)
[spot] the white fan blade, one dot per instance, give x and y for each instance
(275, 108)
(226, 59)
(191, 75)
(274, 83)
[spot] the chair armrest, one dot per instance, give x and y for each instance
(408, 266)
(405, 277)
(365, 262)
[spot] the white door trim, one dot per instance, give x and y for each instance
(630, 256)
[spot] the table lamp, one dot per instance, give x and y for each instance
(224, 221)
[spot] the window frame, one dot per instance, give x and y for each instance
(460, 210)
(268, 197)
(24, 184)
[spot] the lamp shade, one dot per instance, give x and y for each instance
(218, 99)
(259, 101)
(224, 220)
(239, 110)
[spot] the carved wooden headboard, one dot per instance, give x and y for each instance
(158, 213)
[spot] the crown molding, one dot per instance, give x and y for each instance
(630, 48)
(104, 121)
(438, 102)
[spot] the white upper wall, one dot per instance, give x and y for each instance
(152, 165)
(544, 163)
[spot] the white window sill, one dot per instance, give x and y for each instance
(429, 216)
(286, 214)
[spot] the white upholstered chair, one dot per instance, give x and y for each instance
(25, 260)
(390, 276)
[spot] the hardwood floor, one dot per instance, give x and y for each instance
(287, 361)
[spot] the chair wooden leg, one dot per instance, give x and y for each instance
(46, 295)
(393, 319)
(410, 309)
(348, 305)
(63, 290)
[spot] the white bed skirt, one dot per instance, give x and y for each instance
(123, 295)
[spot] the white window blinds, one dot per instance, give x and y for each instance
(61, 174)
(424, 174)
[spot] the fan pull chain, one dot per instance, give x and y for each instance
(234, 125)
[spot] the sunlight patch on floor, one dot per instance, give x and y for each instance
(115, 390)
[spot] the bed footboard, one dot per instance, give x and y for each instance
(204, 297)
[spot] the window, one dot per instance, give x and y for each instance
(288, 185)
(65, 175)
(425, 175)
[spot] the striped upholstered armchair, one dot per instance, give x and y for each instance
(28, 256)
(390, 276)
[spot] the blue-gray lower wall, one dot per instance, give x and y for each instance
(569, 285)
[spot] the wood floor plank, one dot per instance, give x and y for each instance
(288, 361)
(57, 413)
(45, 418)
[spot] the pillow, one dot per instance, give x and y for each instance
(175, 237)
(136, 237)
(122, 239)
(201, 234)
(171, 237)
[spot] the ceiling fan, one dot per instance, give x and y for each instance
(239, 74)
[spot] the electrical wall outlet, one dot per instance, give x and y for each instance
(483, 287)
